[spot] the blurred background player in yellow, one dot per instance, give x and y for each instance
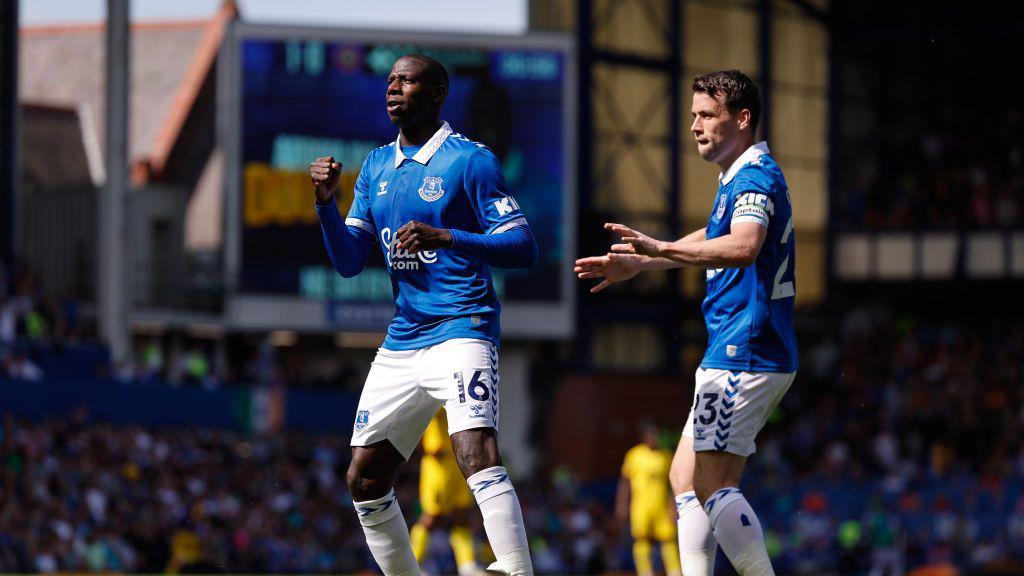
(445, 498)
(644, 488)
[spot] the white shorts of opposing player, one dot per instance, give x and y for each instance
(405, 388)
(730, 408)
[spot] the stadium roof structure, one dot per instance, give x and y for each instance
(63, 68)
(56, 132)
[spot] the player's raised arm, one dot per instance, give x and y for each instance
(348, 242)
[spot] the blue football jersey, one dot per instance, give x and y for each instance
(450, 182)
(749, 311)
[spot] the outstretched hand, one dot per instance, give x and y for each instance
(610, 268)
(634, 242)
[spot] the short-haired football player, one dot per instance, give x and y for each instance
(747, 253)
(438, 204)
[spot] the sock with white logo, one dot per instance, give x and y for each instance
(697, 545)
(738, 531)
(503, 520)
(387, 535)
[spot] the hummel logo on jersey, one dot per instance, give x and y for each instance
(402, 259)
(383, 188)
(506, 205)
(755, 199)
(431, 189)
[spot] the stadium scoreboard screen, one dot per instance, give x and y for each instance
(297, 94)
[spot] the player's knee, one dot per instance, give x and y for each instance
(702, 492)
(705, 487)
(680, 481)
(681, 488)
(363, 487)
(473, 461)
(476, 450)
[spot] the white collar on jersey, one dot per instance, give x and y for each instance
(748, 155)
(428, 150)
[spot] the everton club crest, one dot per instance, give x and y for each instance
(362, 419)
(721, 207)
(431, 189)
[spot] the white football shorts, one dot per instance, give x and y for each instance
(730, 408)
(406, 387)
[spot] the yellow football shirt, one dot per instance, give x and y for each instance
(443, 490)
(435, 438)
(647, 472)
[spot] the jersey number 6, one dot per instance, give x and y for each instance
(477, 390)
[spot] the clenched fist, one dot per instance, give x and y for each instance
(325, 172)
(417, 236)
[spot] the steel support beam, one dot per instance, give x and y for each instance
(584, 165)
(812, 11)
(9, 177)
(835, 115)
(765, 41)
(672, 322)
(636, 61)
(113, 301)
(670, 67)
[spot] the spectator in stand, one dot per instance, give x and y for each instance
(28, 312)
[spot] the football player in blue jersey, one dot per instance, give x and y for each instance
(751, 359)
(438, 204)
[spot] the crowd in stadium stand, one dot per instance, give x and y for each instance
(953, 179)
(903, 438)
(901, 445)
(193, 366)
(92, 497)
(30, 315)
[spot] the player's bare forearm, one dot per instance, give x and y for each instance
(648, 263)
(624, 261)
(735, 250)
(661, 263)
(729, 251)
